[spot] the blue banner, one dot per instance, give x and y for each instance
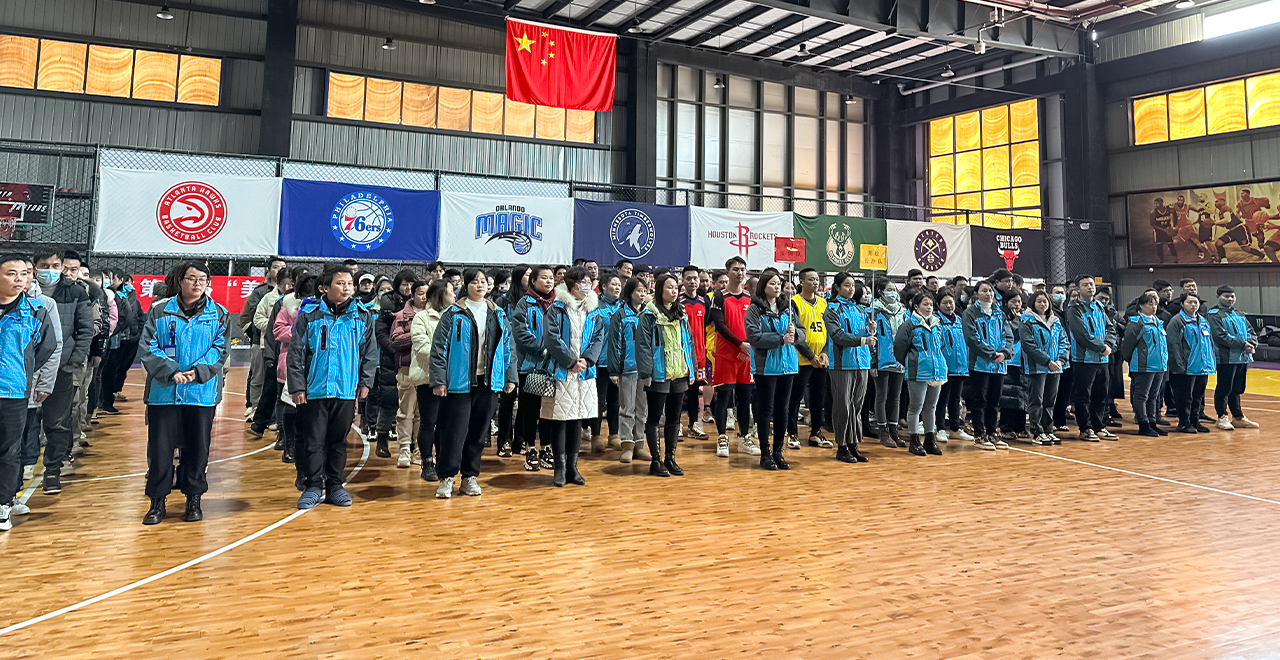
(342, 220)
(649, 234)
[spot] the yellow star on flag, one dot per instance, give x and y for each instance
(524, 43)
(553, 43)
(551, 54)
(544, 62)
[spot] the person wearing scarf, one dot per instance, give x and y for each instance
(527, 320)
(888, 313)
(606, 389)
(573, 340)
(918, 348)
(665, 366)
(517, 284)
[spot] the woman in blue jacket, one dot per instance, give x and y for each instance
(527, 325)
(773, 333)
(1044, 355)
(1146, 349)
(888, 314)
(1191, 362)
(850, 336)
(918, 348)
(183, 350)
(957, 354)
(633, 406)
(665, 364)
(990, 343)
(606, 388)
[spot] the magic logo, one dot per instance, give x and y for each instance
(512, 224)
(743, 238)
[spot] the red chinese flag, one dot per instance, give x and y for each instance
(788, 250)
(559, 67)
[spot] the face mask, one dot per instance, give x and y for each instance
(503, 288)
(128, 288)
(890, 296)
(1059, 298)
(584, 287)
(48, 276)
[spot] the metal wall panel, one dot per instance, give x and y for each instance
(1266, 157)
(327, 143)
(1117, 119)
(253, 6)
(305, 83)
(87, 122)
(1218, 161)
(243, 89)
(131, 21)
(42, 118)
(227, 33)
(1185, 30)
(68, 16)
(1148, 169)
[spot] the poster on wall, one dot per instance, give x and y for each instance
(496, 229)
(652, 234)
(146, 212)
(840, 243)
(1019, 250)
(937, 249)
(345, 221)
(1213, 225)
(25, 203)
(718, 234)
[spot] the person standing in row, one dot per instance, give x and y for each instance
(422, 333)
(606, 387)
(1045, 349)
(918, 348)
(507, 436)
(851, 338)
(697, 307)
(1191, 362)
(528, 320)
(408, 420)
(889, 314)
(1146, 350)
(733, 354)
(282, 328)
(666, 367)
(633, 406)
(990, 342)
(1093, 339)
(808, 308)
(573, 339)
(957, 355)
(772, 333)
(1234, 344)
(183, 349)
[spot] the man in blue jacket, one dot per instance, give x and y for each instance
(1093, 340)
(331, 363)
(1234, 343)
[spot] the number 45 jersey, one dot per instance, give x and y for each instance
(810, 315)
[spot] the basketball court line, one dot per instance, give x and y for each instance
(269, 445)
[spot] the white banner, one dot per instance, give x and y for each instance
(500, 229)
(141, 211)
(937, 249)
(718, 234)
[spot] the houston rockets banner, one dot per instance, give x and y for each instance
(717, 234)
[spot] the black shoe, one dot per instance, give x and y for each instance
(571, 471)
(931, 444)
(1159, 431)
(897, 441)
(531, 460)
(193, 512)
(916, 448)
(257, 431)
(52, 484)
(110, 409)
(1160, 421)
(558, 478)
(279, 446)
(885, 438)
(156, 513)
(657, 469)
(383, 451)
(671, 466)
(287, 455)
(1205, 418)
(853, 450)
(1200, 428)
(1145, 429)
(766, 461)
(1186, 429)
(547, 460)
(779, 461)
(504, 451)
(1114, 424)
(429, 470)
(1114, 414)
(844, 455)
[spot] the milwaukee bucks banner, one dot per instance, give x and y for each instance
(837, 243)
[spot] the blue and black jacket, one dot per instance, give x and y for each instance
(27, 340)
(622, 341)
(848, 326)
(1043, 342)
(986, 334)
(527, 328)
(651, 352)
(765, 329)
(1190, 341)
(1145, 346)
(608, 308)
(1231, 334)
(1091, 330)
(333, 352)
(953, 346)
(918, 347)
(558, 338)
(175, 340)
(887, 324)
(459, 362)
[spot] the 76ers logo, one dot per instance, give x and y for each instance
(191, 212)
(931, 250)
(361, 221)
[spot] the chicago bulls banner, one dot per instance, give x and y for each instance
(146, 212)
(1020, 250)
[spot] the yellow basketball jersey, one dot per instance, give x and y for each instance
(811, 318)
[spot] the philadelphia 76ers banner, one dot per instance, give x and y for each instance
(347, 221)
(146, 212)
(937, 249)
(717, 234)
(653, 234)
(505, 229)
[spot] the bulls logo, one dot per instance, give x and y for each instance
(191, 213)
(1009, 246)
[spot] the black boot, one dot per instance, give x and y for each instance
(844, 455)
(778, 460)
(279, 446)
(429, 470)
(193, 512)
(571, 464)
(558, 478)
(893, 433)
(156, 513)
(931, 444)
(382, 450)
(670, 462)
(657, 469)
(857, 455)
(1159, 431)
(287, 455)
(882, 432)
(766, 460)
(1145, 428)
(915, 447)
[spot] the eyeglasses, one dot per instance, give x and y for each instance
(198, 281)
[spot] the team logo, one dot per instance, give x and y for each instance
(191, 212)
(1009, 246)
(631, 234)
(742, 238)
(931, 250)
(510, 223)
(840, 245)
(362, 221)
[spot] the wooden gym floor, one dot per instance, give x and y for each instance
(1145, 548)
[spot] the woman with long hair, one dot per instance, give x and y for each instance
(439, 296)
(957, 354)
(889, 313)
(633, 405)
(572, 340)
(850, 338)
(1045, 350)
(304, 288)
(407, 408)
(606, 388)
(517, 283)
(1013, 393)
(918, 348)
(1191, 362)
(775, 339)
(528, 320)
(1145, 347)
(665, 363)
(990, 342)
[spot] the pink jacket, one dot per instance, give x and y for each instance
(400, 339)
(283, 330)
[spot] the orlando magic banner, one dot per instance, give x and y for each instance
(837, 243)
(342, 220)
(718, 234)
(937, 249)
(608, 232)
(501, 229)
(1020, 250)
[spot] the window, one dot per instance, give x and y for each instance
(988, 160)
(360, 98)
(1225, 107)
(76, 68)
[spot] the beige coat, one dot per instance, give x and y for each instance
(422, 330)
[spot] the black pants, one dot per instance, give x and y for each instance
(982, 396)
(1115, 378)
(121, 361)
(506, 416)
(428, 422)
(289, 431)
(266, 404)
(321, 448)
(13, 421)
(1042, 394)
(55, 414)
(741, 395)
(1232, 379)
(384, 401)
(563, 435)
(187, 428)
(948, 415)
(693, 403)
(668, 403)
(462, 430)
(526, 431)
(1090, 393)
(773, 393)
(814, 380)
(888, 397)
(1064, 397)
(1144, 391)
(607, 396)
(1014, 419)
(1188, 397)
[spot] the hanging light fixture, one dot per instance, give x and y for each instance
(164, 14)
(947, 72)
(981, 47)
(849, 100)
(719, 83)
(634, 28)
(388, 44)
(804, 49)
(1185, 4)
(426, 2)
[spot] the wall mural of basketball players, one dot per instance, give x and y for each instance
(1219, 225)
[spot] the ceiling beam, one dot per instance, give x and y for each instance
(550, 11)
(601, 10)
(859, 52)
(792, 42)
(773, 28)
(749, 67)
(699, 13)
(747, 16)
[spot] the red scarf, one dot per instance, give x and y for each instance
(545, 302)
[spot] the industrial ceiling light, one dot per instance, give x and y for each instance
(1093, 35)
(635, 28)
(849, 100)
(981, 47)
(164, 14)
(388, 44)
(1185, 4)
(804, 49)
(719, 83)
(947, 72)
(426, 2)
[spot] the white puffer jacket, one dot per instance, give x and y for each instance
(575, 398)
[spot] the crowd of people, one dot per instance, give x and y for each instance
(538, 360)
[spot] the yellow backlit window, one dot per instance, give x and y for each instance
(1150, 120)
(346, 96)
(1225, 107)
(987, 160)
(18, 61)
(155, 76)
(110, 71)
(1264, 100)
(70, 67)
(61, 66)
(1186, 114)
(199, 79)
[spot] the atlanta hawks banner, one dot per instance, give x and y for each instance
(504, 229)
(936, 249)
(718, 234)
(1020, 250)
(141, 211)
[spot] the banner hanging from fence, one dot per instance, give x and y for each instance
(840, 243)
(652, 234)
(718, 234)
(25, 203)
(228, 291)
(937, 249)
(495, 229)
(1020, 250)
(345, 221)
(145, 212)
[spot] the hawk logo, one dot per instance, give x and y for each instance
(840, 245)
(931, 250)
(1009, 246)
(510, 223)
(192, 213)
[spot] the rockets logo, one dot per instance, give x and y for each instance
(743, 238)
(192, 212)
(1009, 246)
(510, 223)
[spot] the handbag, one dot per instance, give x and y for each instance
(540, 383)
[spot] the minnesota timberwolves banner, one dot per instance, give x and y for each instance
(608, 232)
(936, 249)
(503, 229)
(718, 234)
(836, 243)
(341, 221)
(1020, 250)
(150, 212)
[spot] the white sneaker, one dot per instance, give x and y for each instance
(746, 446)
(707, 418)
(28, 472)
(416, 457)
(999, 444)
(273, 426)
(1041, 440)
(1244, 423)
(68, 469)
(731, 421)
(983, 443)
(1224, 423)
(445, 490)
(941, 436)
(6, 521)
(405, 457)
(964, 435)
(697, 430)
(248, 413)
(722, 447)
(18, 508)
(77, 449)
(470, 486)
(793, 442)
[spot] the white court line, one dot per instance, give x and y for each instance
(1148, 476)
(364, 456)
(143, 474)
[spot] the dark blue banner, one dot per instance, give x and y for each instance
(649, 234)
(342, 220)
